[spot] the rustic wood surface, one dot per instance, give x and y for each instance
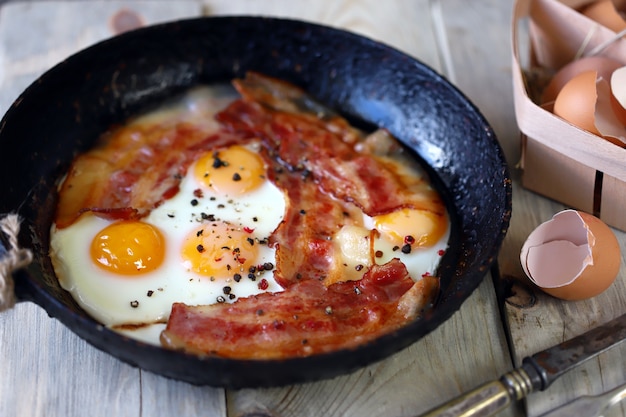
(45, 370)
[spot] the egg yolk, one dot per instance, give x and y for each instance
(231, 171)
(416, 227)
(219, 250)
(128, 248)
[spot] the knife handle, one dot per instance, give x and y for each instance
(487, 399)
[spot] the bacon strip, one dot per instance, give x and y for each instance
(288, 99)
(325, 148)
(365, 181)
(305, 319)
(303, 241)
(140, 166)
(316, 161)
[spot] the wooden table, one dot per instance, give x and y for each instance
(45, 370)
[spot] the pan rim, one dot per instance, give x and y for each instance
(89, 328)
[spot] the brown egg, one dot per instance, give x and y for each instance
(605, 13)
(576, 102)
(573, 256)
(586, 102)
(604, 66)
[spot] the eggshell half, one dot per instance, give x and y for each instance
(607, 120)
(573, 256)
(585, 101)
(618, 93)
(576, 102)
(604, 66)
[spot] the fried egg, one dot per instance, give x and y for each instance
(205, 245)
(209, 243)
(416, 237)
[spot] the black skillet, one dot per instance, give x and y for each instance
(63, 112)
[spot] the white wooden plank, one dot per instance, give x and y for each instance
(460, 354)
(466, 351)
(46, 370)
(546, 321)
(36, 35)
(479, 49)
(540, 321)
(399, 23)
(454, 358)
(162, 397)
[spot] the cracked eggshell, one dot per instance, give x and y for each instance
(603, 65)
(576, 102)
(573, 256)
(618, 94)
(585, 102)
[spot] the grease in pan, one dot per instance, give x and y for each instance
(274, 230)
(113, 80)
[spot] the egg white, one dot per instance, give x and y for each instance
(352, 243)
(139, 306)
(117, 301)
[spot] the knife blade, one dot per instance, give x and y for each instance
(590, 405)
(536, 373)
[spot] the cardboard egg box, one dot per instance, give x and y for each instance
(558, 159)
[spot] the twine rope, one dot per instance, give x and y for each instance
(598, 49)
(14, 259)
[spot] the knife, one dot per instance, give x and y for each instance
(590, 405)
(537, 372)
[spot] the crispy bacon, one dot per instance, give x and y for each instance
(295, 136)
(140, 166)
(365, 181)
(303, 241)
(288, 99)
(305, 319)
(316, 159)
(323, 146)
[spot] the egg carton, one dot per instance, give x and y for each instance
(558, 159)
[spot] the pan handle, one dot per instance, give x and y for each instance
(12, 258)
